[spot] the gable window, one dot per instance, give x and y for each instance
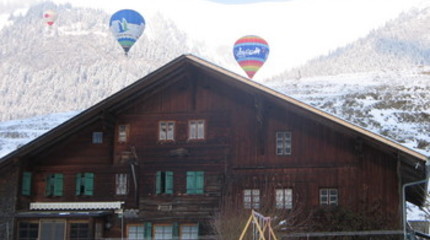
(195, 182)
(54, 184)
(123, 131)
(329, 196)
(284, 198)
(28, 230)
(189, 232)
(196, 129)
(97, 137)
(167, 131)
(84, 184)
(164, 182)
(79, 231)
(251, 198)
(26, 184)
(283, 143)
(121, 183)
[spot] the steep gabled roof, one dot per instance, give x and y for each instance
(179, 68)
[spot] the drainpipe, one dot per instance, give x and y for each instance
(427, 167)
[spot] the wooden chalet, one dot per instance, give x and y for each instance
(160, 158)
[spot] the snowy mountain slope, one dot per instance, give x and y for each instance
(395, 104)
(401, 44)
(380, 82)
(41, 64)
(16, 133)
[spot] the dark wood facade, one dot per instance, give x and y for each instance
(238, 152)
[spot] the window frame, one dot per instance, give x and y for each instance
(286, 140)
(123, 134)
(121, 184)
(196, 129)
(138, 236)
(84, 184)
(286, 202)
(164, 182)
(254, 198)
(330, 198)
(189, 233)
(54, 185)
(97, 137)
(28, 230)
(169, 134)
(69, 232)
(155, 226)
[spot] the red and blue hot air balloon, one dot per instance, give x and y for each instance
(127, 26)
(251, 52)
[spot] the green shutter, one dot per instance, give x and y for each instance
(169, 182)
(89, 184)
(175, 230)
(26, 184)
(148, 230)
(191, 188)
(158, 183)
(58, 184)
(49, 181)
(200, 182)
(78, 183)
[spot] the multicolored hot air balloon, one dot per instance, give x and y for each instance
(127, 26)
(49, 17)
(251, 52)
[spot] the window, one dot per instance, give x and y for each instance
(136, 232)
(162, 232)
(167, 131)
(329, 196)
(283, 143)
(79, 231)
(196, 129)
(251, 198)
(189, 232)
(28, 230)
(26, 184)
(121, 183)
(195, 182)
(52, 230)
(284, 198)
(123, 133)
(54, 184)
(97, 137)
(164, 182)
(84, 184)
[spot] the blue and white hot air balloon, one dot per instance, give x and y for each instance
(127, 26)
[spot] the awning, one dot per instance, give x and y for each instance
(62, 214)
(75, 205)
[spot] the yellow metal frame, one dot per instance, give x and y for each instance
(261, 229)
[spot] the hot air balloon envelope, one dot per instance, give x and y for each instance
(127, 26)
(49, 17)
(251, 52)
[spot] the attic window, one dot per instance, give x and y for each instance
(123, 133)
(283, 143)
(167, 131)
(97, 137)
(196, 129)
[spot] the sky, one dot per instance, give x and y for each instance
(296, 30)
